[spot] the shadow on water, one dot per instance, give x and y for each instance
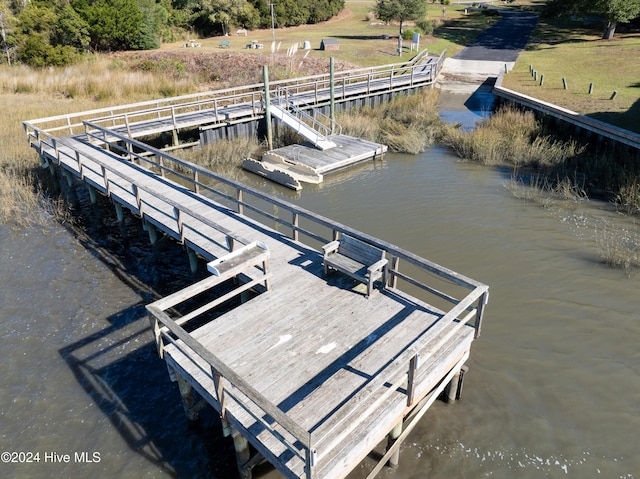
(467, 109)
(118, 366)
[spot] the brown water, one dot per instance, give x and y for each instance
(554, 383)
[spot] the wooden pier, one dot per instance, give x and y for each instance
(306, 367)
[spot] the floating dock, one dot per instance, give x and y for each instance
(304, 163)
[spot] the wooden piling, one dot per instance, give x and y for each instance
(243, 455)
(153, 233)
(394, 460)
(188, 400)
(193, 260)
(267, 107)
(92, 193)
(452, 388)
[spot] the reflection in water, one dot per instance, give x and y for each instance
(553, 387)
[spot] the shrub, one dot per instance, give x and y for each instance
(427, 27)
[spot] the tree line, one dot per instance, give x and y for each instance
(59, 32)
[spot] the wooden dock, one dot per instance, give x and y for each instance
(303, 163)
(303, 366)
(218, 110)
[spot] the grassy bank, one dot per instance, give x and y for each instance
(516, 138)
(568, 49)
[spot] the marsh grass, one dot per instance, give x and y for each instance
(224, 157)
(408, 124)
(513, 137)
(618, 247)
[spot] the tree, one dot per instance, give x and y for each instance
(113, 24)
(616, 11)
(6, 22)
(402, 11)
(612, 12)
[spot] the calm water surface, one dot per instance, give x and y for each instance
(554, 383)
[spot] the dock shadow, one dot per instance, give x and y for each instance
(118, 367)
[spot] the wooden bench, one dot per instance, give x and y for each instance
(362, 261)
(224, 44)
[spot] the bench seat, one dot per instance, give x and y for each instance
(357, 259)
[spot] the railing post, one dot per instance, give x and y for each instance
(104, 138)
(136, 192)
(178, 217)
(126, 121)
(267, 112)
(239, 198)
(217, 381)
(106, 180)
(332, 95)
(414, 364)
(395, 263)
(80, 166)
(310, 461)
(295, 220)
(196, 182)
(482, 302)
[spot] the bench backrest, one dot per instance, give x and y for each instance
(359, 251)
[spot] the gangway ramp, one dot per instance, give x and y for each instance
(300, 127)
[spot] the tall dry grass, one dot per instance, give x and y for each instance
(408, 124)
(99, 78)
(513, 137)
(224, 157)
(28, 93)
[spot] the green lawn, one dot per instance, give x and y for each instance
(361, 36)
(571, 50)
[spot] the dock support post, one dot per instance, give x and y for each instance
(176, 140)
(153, 233)
(193, 260)
(267, 109)
(188, 400)
(332, 107)
(119, 213)
(72, 195)
(394, 460)
(243, 455)
(452, 388)
(92, 194)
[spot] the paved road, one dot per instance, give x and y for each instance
(504, 40)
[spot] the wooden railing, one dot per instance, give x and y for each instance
(314, 87)
(279, 213)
